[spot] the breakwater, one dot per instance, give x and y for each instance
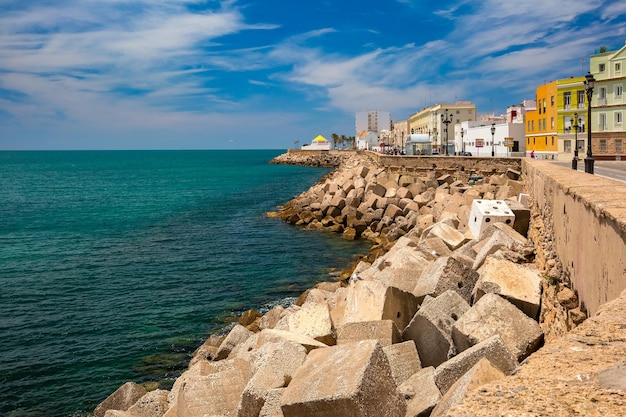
(432, 313)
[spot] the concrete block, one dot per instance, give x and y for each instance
(421, 393)
(431, 328)
(493, 349)
(447, 273)
(403, 359)
(496, 237)
(354, 380)
(275, 368)
(480, 374)
(152, 404)
(518, 283)
(374, 300)
(275, 335)
(121, 399)
(238, 334)
(448, 234)
(312, 320)
(522, 217)
(493, 315)
(486, 212)
(385, 331)
(271, 407)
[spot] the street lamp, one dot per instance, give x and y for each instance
(462, 143)
(590, 82)
(575, 126)
(446, 120)
(493, 132)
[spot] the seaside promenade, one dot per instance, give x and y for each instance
(434, 320)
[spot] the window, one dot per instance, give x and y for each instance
(580, 95)
(552, 123)
(602, 93)
(618, 68)
(567, 146)
(602, 121)
(603, 145)
(567, 100)
(552, 101)
(552, 140)
(601, 67)
(618, 117)
(618, 90)
(618, 145)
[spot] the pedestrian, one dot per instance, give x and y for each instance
(532, 154)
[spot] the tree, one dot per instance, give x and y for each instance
(335, 139)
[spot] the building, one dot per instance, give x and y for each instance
(399, 133)
(540, 130)
(319, 143)
(367, 141)
(508, 139)
(429, 121)
(372, 121)
(572, 117)
(608, 106)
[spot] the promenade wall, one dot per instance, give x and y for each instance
(584, 220)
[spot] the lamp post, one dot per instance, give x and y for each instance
(590, 82)
(446, 120)
(462, 143)
(575, 159)
(493, 132)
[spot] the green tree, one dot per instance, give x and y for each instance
(335, 138)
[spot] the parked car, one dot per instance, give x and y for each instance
(435, 153)
(466, 154)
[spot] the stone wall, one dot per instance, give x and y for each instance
(584, 219)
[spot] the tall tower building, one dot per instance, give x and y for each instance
(372, 121)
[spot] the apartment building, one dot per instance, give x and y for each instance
(608, 105)
(572, 117)
(429, 121)
(541, 124)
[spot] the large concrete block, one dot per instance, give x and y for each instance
(275, 368)
(385, 331)
(448, 234)
(518, 283)
(493, 315)
(275, 335)
(493, 349)
(121, 399)
(403, 359)
(522, 217)
(431, 328)
(271, 407)
(496, 237)
(152, 404)
(312, 320)
(238, 334)
(344, 380)
(374, 300)
(446, 273)
(421, 392)
(486, 212)
(480, 374)
(214, 394)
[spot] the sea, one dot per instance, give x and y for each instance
(116, 265)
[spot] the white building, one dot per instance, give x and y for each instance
(372, 121)
(478, 139)
(319, 143)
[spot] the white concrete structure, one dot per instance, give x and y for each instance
(319, 143)
(484, 213)
(473, 132)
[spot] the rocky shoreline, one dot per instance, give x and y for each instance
(409, 330)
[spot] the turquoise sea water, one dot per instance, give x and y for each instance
(115, 265)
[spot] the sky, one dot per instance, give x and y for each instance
(239, 74)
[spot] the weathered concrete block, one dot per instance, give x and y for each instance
(493, 349)
(480, 374)
(345, 380)
(237, 335)
(275, 335)
(431, 328)
(152, 404)
(522, 217)
(403, 359)
(393, 211)
(493, 315)
(122, 399)
(448, 234)
(446, 273)
(486, 212)
(374, 300)
(215, 394)
(275, 368)
(385, 331)
(496, 237)
(312, 320)
(421, 392)
(518, 283)
(271, 407)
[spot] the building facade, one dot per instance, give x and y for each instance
(608, 105)
(429, 121)
(541, 124)
(572, 117)
(372, 121)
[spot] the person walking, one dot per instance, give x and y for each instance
(532, 154)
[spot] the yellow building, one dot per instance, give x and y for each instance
(572, 116)
(429, 121)
(541, 124)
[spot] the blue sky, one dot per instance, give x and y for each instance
(191, 74)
